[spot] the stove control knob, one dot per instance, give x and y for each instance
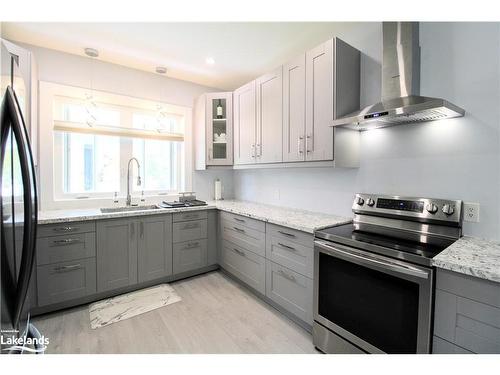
(431, 208)
(360, 201)
(370, 202)
(448, 209)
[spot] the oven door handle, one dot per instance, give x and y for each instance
(362, 259)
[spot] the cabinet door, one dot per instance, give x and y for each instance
(244, 124)
(269, 148)
(219, 135)
(319, 102)
(294, 109)
(155, 247)
(116, 254)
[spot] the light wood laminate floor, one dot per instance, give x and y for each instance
(216, 315)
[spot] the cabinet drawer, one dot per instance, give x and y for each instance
(294, 235)
(190, 255)
(66, 281)
(243, 220)
(65, 248)
(440, 346)
(65, 228)
(190, 215)
(245, 265)
(190, 230)
(290, 254)
(472, 325)
(245, 237)
(290, 290)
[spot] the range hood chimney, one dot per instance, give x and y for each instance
(401, 101)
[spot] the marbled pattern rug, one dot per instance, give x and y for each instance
(126, 306)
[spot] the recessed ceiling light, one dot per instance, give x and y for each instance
(161, 70)
(91, 52)
(210, 60)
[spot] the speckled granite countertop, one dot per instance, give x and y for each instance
(472, 256)
(306, 221)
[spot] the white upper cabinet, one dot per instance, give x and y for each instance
(219, 120)
(294, 109)
(245, 125)
(213, 130)
(269, 117)
(319, 102)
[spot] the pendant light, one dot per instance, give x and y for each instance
(160, 111)
(90, 104)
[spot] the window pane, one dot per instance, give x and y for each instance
(91, 163)
(159, 164)
(95, 114)
(160, 121)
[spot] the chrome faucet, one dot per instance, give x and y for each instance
(129, 197)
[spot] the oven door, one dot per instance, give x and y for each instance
(379, 304)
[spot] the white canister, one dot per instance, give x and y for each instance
(218, 189)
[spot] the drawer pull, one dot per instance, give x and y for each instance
(239, 229)
(66, 241)
(286, 234)
(65, 229)
(287, 276)
(190, 216)
(67, 268)
(191, 226)
(238, 219)
(242, 253)
(287, 247)
(190, 245)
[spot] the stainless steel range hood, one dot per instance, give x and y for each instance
(401, 101)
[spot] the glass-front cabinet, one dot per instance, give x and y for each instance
(219, 128)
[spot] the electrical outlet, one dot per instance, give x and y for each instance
(471, 212)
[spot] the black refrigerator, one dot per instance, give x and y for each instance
(19, 209)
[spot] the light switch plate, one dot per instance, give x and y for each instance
(471, 212)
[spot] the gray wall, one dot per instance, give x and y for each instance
(64, 68)
(457, 158)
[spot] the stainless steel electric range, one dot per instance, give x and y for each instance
(373, 278)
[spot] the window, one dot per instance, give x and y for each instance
(95, 135)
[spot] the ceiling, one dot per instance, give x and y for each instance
(242, 51)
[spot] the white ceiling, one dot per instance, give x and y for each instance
(242, 51)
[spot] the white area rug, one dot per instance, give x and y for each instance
(126, 306)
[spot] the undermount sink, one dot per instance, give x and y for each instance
(109, 210)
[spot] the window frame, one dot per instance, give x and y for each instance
(51, 144)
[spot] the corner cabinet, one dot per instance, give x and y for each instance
(319, 86)
(213, 135)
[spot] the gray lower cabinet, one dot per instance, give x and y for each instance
(245, 265)
(291, 290)
(116, 253)
(154, 255)
(190, 230)
(66, 281)
(467, 314)
(190, 255)
(212, 229)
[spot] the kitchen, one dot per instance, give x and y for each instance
(326, 186)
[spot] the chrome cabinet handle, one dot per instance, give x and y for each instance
(239, 229)
(73, 267)
(210, 154)
(190, 216)
(239, 252)
(191, 226)
(141, 228)
(259, 153)
(307, 143)
(287, 276)
(238, 219)
(299, 145)
(132, 231)
(66, 241)
(253, 151)
(287, 247)
(286, 234)
(64, 229)
(191, 245)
